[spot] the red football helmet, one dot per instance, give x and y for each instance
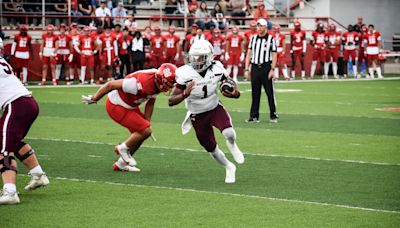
(165, 76)
(297, 24)
(50, 27)
(364, 28)
(253, 24)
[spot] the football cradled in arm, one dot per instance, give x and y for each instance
(229, 88)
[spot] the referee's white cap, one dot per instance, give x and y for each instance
(262, 22)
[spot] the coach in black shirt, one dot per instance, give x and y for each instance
(261, 53)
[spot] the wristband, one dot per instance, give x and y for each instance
(246, 70)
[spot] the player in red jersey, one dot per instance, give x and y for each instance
(22, 50)
(250, 33)
(373, 47)
(122, 105)
(189, 38)
(87, 47)
(172, 46)
(218, 43)
(350, 40)
(64, 55)
(332, 40)
(95, 33)
(361, 50)
(75, 63)
(157, 45)
(318, 41)
(124, 42)
(281, 46)
(48, 54)
(108, 53)
(234, 52)
(298, 46)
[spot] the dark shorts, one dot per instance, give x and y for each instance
(203, 124)
(17, 118)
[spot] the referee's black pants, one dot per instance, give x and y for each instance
(259, 77)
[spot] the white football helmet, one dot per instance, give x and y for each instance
(201, 55)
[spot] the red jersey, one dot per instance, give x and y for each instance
(107, 41)
(22, 43)
(123, 44)
(249, 34)
(350, 39)
(172, 42)
(332, 39)
(49, 44)
(279, 38)
(146, 87)
(234, 43)
(63, 44)
(208, 35)
(189, 40)
(87, 44)
(117, 35)
(297, 39)
(218, 44)
(75, 41)
(157, 44)
(372, 39)
(319, 40)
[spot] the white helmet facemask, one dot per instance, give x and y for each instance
(201, 55)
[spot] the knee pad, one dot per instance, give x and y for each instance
(6, 163)
(229, 134)
(22, 157)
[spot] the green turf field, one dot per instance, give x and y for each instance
(333, 160)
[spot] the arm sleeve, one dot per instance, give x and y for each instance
(129, 85)
(13, 47)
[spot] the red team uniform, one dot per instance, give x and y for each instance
(279, 44)
(350, 39)
(217, 42)
(332, 38)
(109, 47)
(297, 38)
(87, 46)
(76, 59)
(49, 45)
(235, 48)
(372, 40)
(319, 46)
(22, 50)
(172, 42)
(157, 49)
(63, 50)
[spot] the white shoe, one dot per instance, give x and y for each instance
(237, 154)
(125, 168)
(230, 174)
(7, 197)
(37, 180)
(125, 155)
(380, 77)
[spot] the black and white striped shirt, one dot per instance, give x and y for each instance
(262, 48)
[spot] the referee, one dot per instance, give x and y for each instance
(261, 53)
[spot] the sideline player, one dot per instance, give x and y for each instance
(123, 99)
(20, 111)
(373, 47)
(75, 61)
(350, 41)
(48, 54)
(22, 50)
(298, 46)
(234, 52)
(64, 56)
(281, 46)
(87, 47)
(172, 46)
(318, 41)
(332, 39)
(108, 46)
(197, 82)
(157, 43)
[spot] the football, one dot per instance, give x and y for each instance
(227, 85)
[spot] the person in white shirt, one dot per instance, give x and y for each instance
(119, 14)
(102, 13)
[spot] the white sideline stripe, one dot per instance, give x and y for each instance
(229, 194)
(202, 151)
(95, 156)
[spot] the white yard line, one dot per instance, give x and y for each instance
(230, 194)
(202, 151)
(95, 156)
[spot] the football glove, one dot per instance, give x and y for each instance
(88, 99)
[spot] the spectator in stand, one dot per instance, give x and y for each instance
(261, 12)
(237, 10)
(61, 8)
(75, 11)
(203, 16)
(103, 14)
(130, 23)
(170, 8)
(181, 10)
(86, 8)
(119, 14)
(359, 25)
(33, 9)
(225, 5)
(14, 7)
(218, 17)
(193, 5)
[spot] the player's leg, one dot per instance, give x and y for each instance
(91, 67)
(44, 69)
(229, 69)
(53, 70)
(346, 55)
(235, 72)
(293, 65)
(84, 63)
(370, 65)
(205, 135)
(335, 58)
(59, 66)
(303, 71)
(222, 121)
(378, 67)
(354, 61)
